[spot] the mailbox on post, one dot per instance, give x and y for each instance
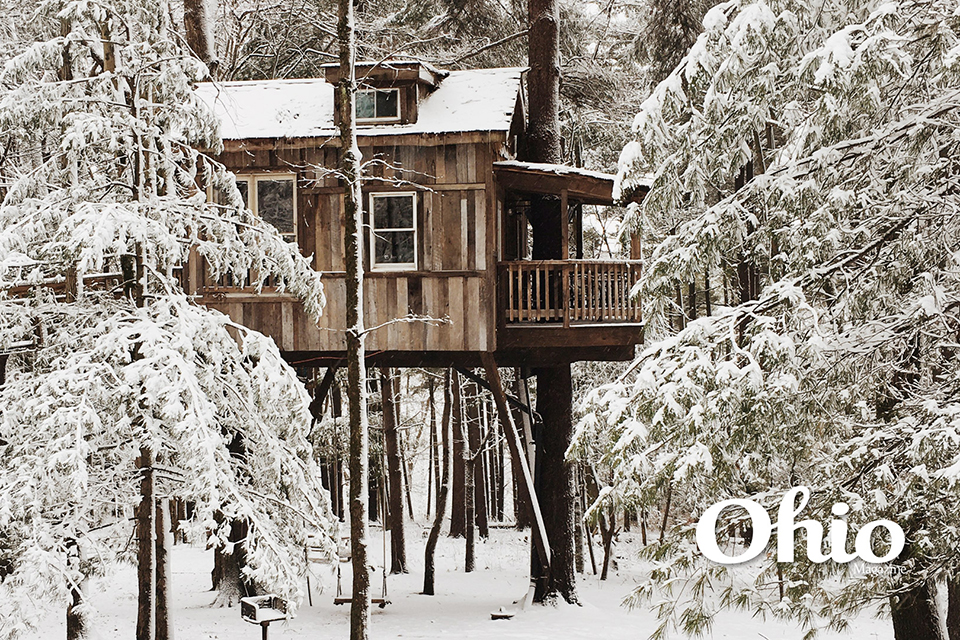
(263, 610)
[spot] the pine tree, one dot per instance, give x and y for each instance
(804, 156)
(104, 202)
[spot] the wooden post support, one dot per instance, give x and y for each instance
(146, 558)
(564, 225)
(321, 391)
(516, 450)
(526, 418)
(72, 284)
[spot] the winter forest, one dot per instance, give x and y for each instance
(490, 318)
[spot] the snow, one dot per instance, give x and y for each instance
(469, 100)
(461, 607)
(559, 169)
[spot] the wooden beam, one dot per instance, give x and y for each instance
(564, 224)
(320, 395)
(540, 540)
(515, 355)
(579, 225)
(466, 373)
(523, 392)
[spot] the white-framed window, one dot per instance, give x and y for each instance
(378, 105)
(273, 197)
(393, 230)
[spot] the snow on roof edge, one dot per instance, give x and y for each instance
(466, 101)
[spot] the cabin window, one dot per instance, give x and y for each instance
(378, 104)
(273, 198)
(393, 230)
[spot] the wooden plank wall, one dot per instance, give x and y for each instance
(457, 228)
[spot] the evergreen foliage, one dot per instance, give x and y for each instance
(804, 156)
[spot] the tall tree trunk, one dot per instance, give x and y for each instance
(666, 513)
(556, 491)
(337, 410)
(356, 366)
(554, 396)
(467, 434)
(78, 622)
(953, 609)
(445, 442)
(543, 82)
(146, 554)
(164, 573)
(228, 578)
(398, 549)
(915, 615)
(474, 437)
(577, 522)
(458, 510)
(406, 467)
(608, 529)
(433, 475)
(501, 469)
(198, 18)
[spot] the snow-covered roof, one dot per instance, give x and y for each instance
(589, 187)
(470, 100)
(559, 169)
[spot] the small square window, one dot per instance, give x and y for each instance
(393, 230)
(378, 104)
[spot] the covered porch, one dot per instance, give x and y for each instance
(556, 303)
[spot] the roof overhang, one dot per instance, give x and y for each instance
(581, 185)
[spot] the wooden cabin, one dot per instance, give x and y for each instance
(446, 230)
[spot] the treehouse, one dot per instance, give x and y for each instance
(446, 229)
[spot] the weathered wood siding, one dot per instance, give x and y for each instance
(456, 252)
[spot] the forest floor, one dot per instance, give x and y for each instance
(460, 609)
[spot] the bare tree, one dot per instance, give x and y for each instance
(198, 27)
(467, 426)
(444, 478)
(389, 403)
(356, 366)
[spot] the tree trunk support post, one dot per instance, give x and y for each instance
(516, 450)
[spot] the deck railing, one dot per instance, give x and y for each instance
(569, 291)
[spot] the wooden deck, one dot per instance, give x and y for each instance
(556, 309)
(568, 291)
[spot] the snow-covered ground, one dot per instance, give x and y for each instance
(460, 609)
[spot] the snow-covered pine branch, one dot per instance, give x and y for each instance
(812, 145)
(101, 140)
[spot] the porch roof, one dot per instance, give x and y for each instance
(582, 185)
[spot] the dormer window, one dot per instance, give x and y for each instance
(378, 104)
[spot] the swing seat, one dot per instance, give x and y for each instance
(380, 602)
